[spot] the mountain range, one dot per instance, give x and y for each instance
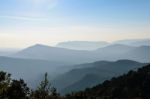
(88, 75)
(134, 42)
(79, 67)
(111, 53)
(44, 52)
(93, 45)
(82, 45)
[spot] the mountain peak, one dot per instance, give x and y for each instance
(126, 61)
(40, 45)
(82, 45)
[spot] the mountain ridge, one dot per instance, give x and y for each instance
(104, 71)
(132, 85)
(109, 53)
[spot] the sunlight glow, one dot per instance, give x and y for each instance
(52, 21)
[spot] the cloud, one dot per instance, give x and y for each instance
(24, 18)
(43, 4)
(35, 8)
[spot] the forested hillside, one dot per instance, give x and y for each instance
(133, 85)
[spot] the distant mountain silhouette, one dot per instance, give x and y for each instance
(134, 42)
(82, 45)
(118, 51)
(74, 80)
(53, 53)
(141, 54)
(91, 45)
(113, 51)
(109, 53)
(116, 47)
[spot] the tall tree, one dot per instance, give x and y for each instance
(44, 90)
(4, 84)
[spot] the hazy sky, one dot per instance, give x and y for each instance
(27, 22)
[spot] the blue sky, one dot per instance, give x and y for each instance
(27, 22)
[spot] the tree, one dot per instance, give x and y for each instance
(4, 84)
(18, 90)
(12, 89)
(44, 90)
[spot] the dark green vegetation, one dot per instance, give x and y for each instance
(17, 89)
(133, 85)
(12, 89)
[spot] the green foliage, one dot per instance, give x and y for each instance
(18, 90)
(12, 89)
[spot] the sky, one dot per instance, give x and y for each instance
(28, 22)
